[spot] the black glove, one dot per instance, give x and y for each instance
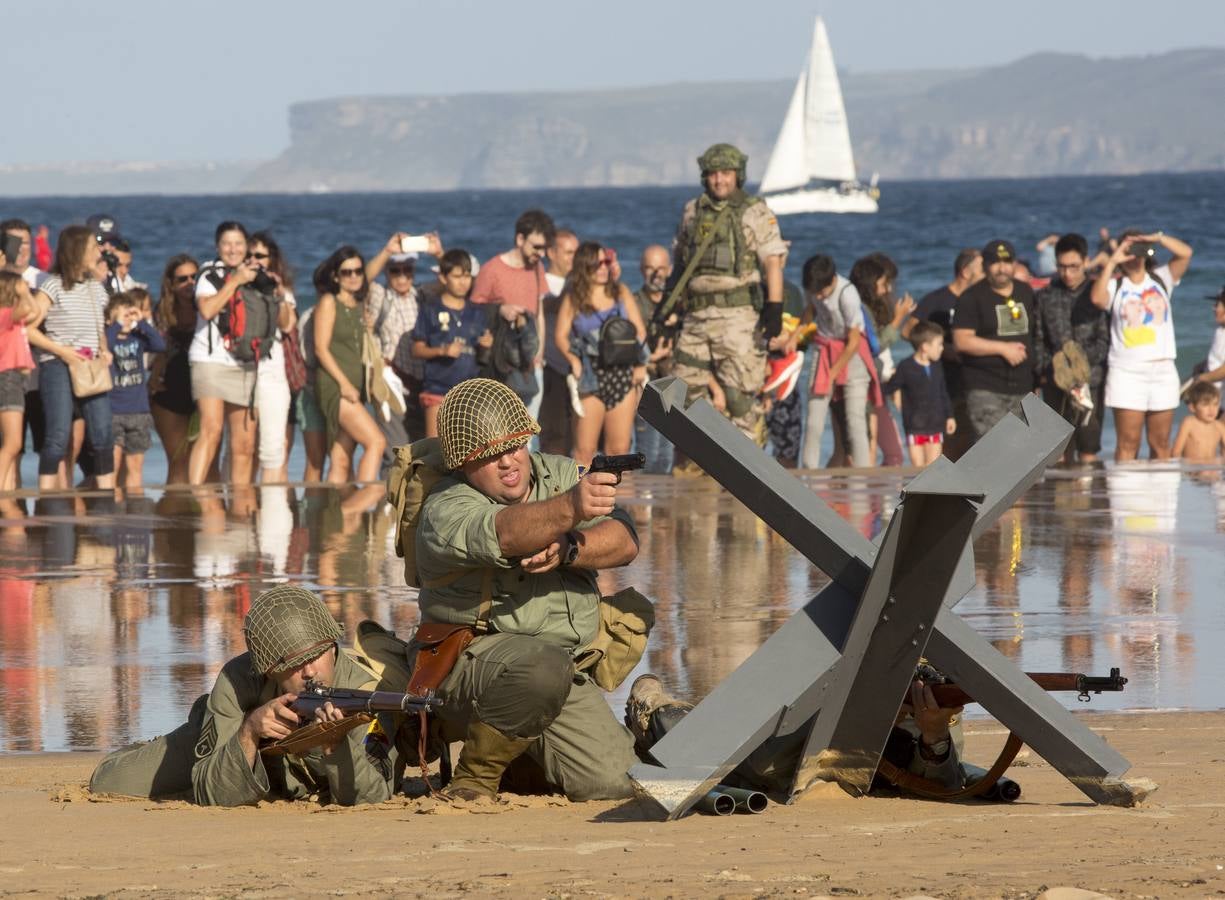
(772, 320)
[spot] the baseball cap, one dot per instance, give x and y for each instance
(104, 227)
(998, 251)
(403, 257)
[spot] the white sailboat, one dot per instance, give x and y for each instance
(812, 168)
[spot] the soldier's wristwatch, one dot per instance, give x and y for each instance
(571, 553)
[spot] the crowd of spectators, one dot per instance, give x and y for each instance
(225, 365)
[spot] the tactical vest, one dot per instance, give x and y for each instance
(727, 254)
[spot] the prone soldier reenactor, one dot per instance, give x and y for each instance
(215, 759)
(507, 547)
(730, 254)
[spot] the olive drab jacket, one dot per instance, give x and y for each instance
(462, 568)
(204, 760)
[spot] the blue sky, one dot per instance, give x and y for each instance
(193, 80)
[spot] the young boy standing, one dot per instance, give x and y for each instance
(130, 336)
(1201, 435)
(919, 391)
(447, 334)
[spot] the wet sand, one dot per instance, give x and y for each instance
(54, 841)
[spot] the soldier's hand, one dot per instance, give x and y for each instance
(931, 718)
(273, 720)
(329, 713)
(546, 560)
(594, 495)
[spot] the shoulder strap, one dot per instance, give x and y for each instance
(482, 614)
(665, 308)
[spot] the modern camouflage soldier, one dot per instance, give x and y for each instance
(733, 300)
(509, 542)
(214, 757)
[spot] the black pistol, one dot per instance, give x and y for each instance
(624, 462)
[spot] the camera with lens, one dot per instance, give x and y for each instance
(263, 282)
(111, 260)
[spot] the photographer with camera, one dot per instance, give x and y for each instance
(1141, 378)
(225, 350)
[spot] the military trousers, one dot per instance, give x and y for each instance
(724, 341)
(525, 687)
(159, 769)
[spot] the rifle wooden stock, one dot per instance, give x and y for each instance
(949, 695)
(357, 706)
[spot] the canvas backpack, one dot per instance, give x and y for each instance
(247, 323)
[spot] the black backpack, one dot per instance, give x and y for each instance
(618, 343)
(247, 323)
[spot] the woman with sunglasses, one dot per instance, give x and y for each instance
(170, 381)
(221, 384)
(340, 326)
(272, 395)
(608, 394)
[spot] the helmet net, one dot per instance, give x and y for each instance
(287, 626)
(480, 418)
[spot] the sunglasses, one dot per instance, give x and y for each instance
(400, 270)
(184, 279)
(601, 263)
(261, 256)
(350, 273)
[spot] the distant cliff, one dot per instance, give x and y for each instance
(1048, 114)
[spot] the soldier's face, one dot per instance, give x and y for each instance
(504, 478)
(321, 669)
(721, 183)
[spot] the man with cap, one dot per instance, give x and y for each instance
(730, 256)
(510, 542)
(214, 757)
(993, 332)
(1214, 365)
(393, 313)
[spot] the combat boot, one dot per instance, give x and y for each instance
(651, 712)
(486, 754)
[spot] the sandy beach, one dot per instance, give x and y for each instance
(56, 840)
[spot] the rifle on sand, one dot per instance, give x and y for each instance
(359, 708)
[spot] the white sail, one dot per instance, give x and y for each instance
(788, 166)
(827, 139)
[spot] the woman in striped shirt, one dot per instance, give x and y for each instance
(69, 327)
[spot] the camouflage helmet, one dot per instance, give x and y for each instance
(287, 626)
(480, 418)
(720, 157)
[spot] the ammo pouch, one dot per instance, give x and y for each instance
(626, 619)
(438, 649)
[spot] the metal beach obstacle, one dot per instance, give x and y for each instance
(829, 681)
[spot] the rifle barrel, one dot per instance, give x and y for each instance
(949, 695)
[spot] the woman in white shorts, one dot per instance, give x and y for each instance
(1141, 378)
(221, 385)
(272, 396)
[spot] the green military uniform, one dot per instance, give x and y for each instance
(202, 760)
(520, 679)
(720, 333)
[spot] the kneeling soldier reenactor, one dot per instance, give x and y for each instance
(214, 758)
(507, 547)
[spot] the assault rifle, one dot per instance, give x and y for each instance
(949, 695)
(618, 465)
(357, 706)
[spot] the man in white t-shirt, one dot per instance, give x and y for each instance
(1141, 378)
(1214, 366)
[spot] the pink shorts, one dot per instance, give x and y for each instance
(919, 440)
(430, 399)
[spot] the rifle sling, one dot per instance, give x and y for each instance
(933, 790)
(665, 308)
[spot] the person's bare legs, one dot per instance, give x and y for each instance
(918, 455)
(340, 459)
(431, 421)
(12, 428)
(619, 424)
(172, 430)
(1128, 423)
(931, 453)
(204, 450)
(1158, 425)
(241, 422)
(316, 447)
(587, 430)
(134, 476)
(358, 424)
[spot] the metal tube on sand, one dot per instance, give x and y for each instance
(717, 803)
(746, 801)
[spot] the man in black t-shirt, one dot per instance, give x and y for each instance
(993, 332)
(938, 307)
